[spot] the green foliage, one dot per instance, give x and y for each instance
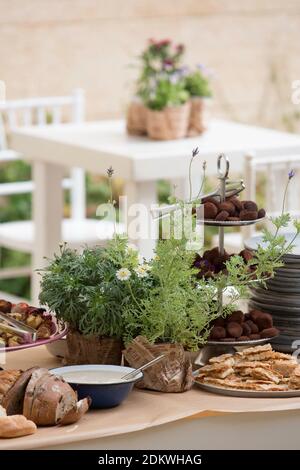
(198, 85)
(173, 310)
(82, 288)
(167, 93)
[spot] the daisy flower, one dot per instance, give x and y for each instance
(123, 274)
(142, 270)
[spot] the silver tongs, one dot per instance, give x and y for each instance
(17, 328)
(232, 188)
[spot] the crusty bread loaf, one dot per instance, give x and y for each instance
(7, 379)
(15, 426)
(29, 393)
(13, 399)
(53, 398)
(77, 412)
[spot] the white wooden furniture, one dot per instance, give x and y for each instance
(275, 170)
(77, 230)
(94, 146)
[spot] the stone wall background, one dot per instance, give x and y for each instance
(50, 47)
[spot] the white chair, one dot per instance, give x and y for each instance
(276, 170)
(77, 230)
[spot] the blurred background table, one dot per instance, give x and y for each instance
(95, 146)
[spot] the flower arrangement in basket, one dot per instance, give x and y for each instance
(169, 98)
(110, 297)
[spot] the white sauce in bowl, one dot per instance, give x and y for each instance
(93, 376)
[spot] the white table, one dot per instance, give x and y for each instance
(94, 146)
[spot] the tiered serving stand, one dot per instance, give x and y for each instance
(215, 348)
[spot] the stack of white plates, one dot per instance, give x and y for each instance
(282, 296)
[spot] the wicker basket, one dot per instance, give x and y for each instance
(136, 118)
(93, 349)
(171, 375)
(168, 124)
(199, 115)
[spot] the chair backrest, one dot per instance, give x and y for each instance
(45, 111)
(276, 170)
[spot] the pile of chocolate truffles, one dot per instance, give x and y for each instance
(212, 262)
(231, 210)
(239, 326)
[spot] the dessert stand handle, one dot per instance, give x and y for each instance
(222, 175)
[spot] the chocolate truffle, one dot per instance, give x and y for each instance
(219, 322)
(250, 206)
(223, 215)
(234, 329)
(246, 255)
(210, 210)
(236, 202)
(217, 332)
(253, 327)
(228, 207)
(246, 329)
(269, 333)
(264, 321)
(261, 213)
(237, 317)
(245, 214)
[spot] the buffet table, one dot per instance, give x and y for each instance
(150, 420)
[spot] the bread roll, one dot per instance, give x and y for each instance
(16, 426)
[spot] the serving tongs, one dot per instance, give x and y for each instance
(232, 188)
(17, 328)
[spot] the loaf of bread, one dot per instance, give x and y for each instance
(41, 397)
(14, 397)
(16, 426)
(7, 380)
(49, 400)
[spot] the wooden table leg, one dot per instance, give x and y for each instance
(47, 217)
(142, 229)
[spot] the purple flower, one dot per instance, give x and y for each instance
(110, 172)
(291, 174)
(174, 78)
(195, 151)
(183, 71)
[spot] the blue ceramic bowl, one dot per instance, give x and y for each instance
(103, 395)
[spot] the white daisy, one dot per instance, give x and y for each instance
(123, 274)
(142, 270)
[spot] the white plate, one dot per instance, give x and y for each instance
(233, 392)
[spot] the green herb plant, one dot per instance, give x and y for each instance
(197, 84)
(167, 93)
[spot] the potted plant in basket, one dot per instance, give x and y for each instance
(84, 290)
(198, 85)
(168, 109)
(160, 60)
